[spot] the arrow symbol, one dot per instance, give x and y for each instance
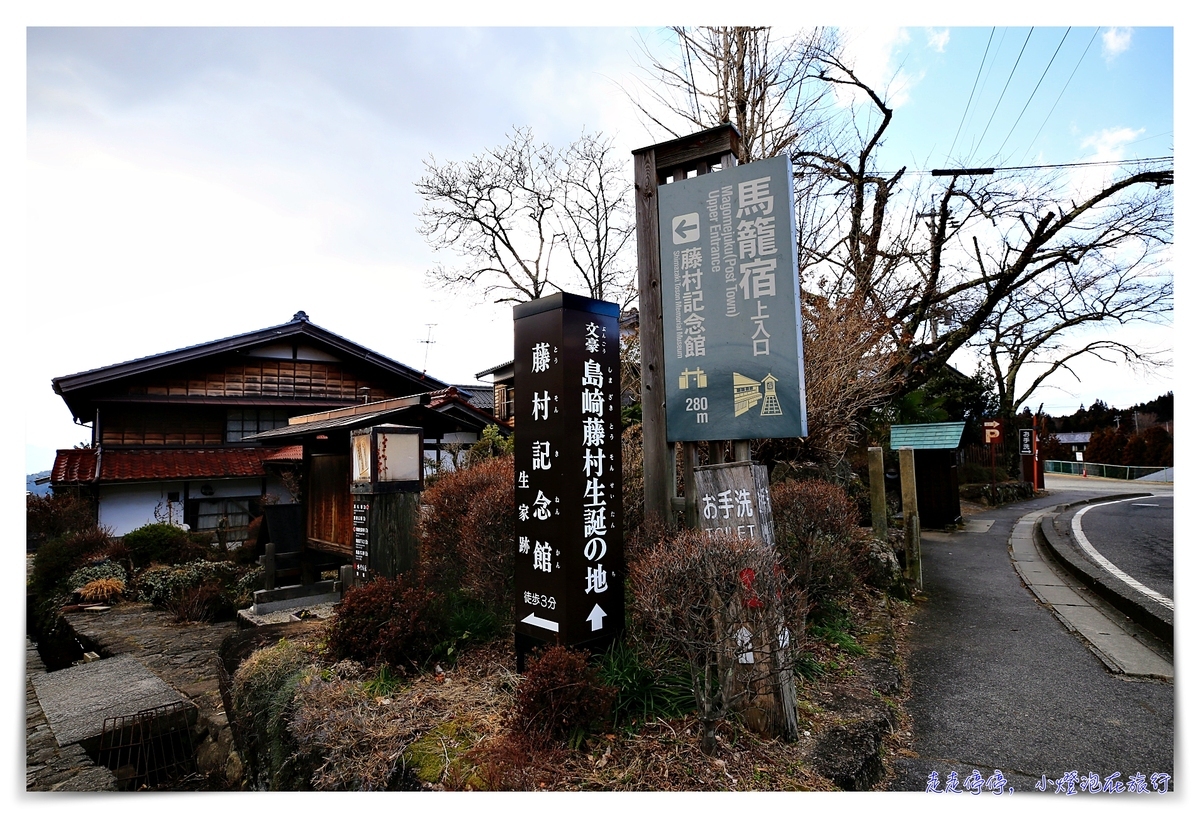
(595, 617)
(538, 622)
(686, 228)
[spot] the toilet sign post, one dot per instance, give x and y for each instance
(570, 567)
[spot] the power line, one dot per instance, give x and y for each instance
(1006, 82)
(990, 171)
(972, 96)
(1034, 91)
(1063, 91)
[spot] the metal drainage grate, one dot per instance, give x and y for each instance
(151, 749)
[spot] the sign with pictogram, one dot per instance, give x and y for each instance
(733, 351)
(570, 568)
(992, 432)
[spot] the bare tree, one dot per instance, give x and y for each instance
(932, 263)
(992, 242)
(741, 75)
(596, 218)
(508, 210)
(1035, 328)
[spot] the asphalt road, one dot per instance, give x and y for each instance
(997, 682)
(1138, 536)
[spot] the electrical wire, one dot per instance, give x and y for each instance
(972, 96)
(1006, 83)
(1108, 162)
(1063, 91)
(1034, 91)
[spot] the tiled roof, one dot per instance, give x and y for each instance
(74, 466)
(927, 435)
(124, 465)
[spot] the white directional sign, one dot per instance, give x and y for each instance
(596, 617)
(538, 622)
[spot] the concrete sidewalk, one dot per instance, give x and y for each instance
(998, 682)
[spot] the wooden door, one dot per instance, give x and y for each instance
(329, 501)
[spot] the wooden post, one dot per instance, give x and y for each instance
(652, 166)
(912, 519)
(268, 564)
(879, 521)
(346, 578)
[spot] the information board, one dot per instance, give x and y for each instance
(732, 346)
(570, 570)
(360, 517)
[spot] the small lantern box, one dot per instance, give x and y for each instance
(386, 459)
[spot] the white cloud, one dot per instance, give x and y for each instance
(1116, 41)
(937, 40)
(1109, 143)
(871, 53)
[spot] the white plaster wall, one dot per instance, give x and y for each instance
(124, 508)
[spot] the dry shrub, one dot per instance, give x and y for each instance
(351, 742)
(560, 700)
(49, 517)
(102, 591)
(198, 603)
(467, 534)
(715, 598)
(394, 621)
(517, 763)
(818, 538)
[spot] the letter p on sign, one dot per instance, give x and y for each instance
(991, 432)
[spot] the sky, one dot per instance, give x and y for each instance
(167, 187)
(186, 184)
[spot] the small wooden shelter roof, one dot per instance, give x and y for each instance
(927, 435)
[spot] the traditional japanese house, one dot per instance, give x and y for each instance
(171, 432)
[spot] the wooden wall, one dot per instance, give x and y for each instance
(162, 425)
(263, 378)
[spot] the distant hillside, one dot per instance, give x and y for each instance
(32, 487)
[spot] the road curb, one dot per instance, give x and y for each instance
(1066, 551)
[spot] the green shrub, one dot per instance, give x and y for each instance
(90, 573)
(468, 622)
(156, 542)
(177, 588)
(467, 534)
(492, 443)
(561, 699)
(645, 689)
(397, 622)
(57, 559)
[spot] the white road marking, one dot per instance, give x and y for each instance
(1077, 527)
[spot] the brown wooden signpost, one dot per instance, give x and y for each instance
(570, 564)
(653, 166)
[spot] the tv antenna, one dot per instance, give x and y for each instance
(428, 340)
